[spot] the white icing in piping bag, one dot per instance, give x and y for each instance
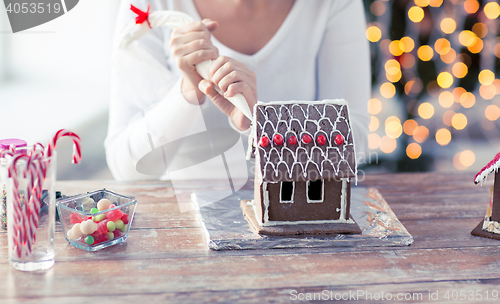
(133, 31)
(237, 100)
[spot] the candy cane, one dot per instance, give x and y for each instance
(77, 153)
(18, 215)
(5, 151)
(26, 217)
(25, 223)
(39, 169)
(32, 216)
(36, 172)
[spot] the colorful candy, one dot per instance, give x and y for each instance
(103, 204)
(98, 218)
(89, 239)
(102, 227)
(77, 231)
(105, 226)
(88, 227)
(75, 218)
(114, 215)
(124, 219)
(111, 226)
(119, 224)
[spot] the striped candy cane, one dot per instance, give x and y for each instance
(77, 152)
(19, 217)
(5, 152)
(39, 170)
(26, 217)
(36, 171)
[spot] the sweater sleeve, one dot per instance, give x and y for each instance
(344, 65)
(147, 108)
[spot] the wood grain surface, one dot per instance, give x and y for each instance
(165, 258)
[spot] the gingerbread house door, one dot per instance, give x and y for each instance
(305, 201)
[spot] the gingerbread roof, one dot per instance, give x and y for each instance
(302, 140)
(493, 165)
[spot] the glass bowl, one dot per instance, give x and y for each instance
(96, 220)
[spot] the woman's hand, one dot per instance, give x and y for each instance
(191, 45)
(228, 78)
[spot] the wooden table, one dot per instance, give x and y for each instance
(166, 258)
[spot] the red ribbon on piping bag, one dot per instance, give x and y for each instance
(141, 16)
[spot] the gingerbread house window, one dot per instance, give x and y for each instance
(315, 191)
(287, 189)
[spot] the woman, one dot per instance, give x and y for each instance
(267, 50)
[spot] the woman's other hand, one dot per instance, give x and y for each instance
(228, 78)
(190, 45)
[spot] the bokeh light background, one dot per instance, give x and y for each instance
(435, 84)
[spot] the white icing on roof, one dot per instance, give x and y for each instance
(493, 165)
(303, 161)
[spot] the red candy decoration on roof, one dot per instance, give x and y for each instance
(321, 139)
(339, 139)
(292, 140)
(306, 139)
(264, 141)
(278, 139)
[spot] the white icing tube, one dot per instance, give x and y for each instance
(173, 19)
(237, 100)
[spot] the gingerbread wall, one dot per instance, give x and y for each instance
(300, 209)
(495, 211)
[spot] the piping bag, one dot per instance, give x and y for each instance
(145, 21)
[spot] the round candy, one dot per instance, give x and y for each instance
(88, 227)
(70, 235)
(306, 139)
(264, 141)
(339, 139)
(110, 235)
(321, 139)
(94, 210)
(292, 140)
(119, 224)
(124, 228)
(117, 233)
(103, 204)
(278, 139)
(89, 239)
(76, 231)
(111, 226)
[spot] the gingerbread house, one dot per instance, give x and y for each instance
(490, 226)
(304, 165)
